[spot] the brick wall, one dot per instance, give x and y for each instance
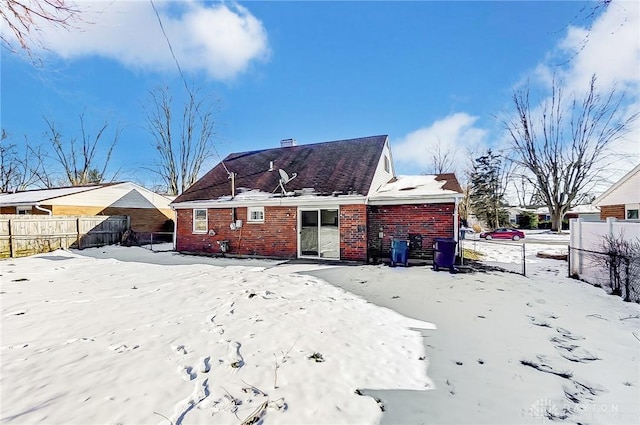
(429, 220)
(616, 211)
(142, 219)
(353, 232)
(276, 237)
(34, 211)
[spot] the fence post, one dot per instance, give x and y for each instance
(627, 288)
(78, 231)
(524, 261)
(11, 250)
(580, 248)
(569, 260)
(151, 241)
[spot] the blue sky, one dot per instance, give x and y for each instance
(421, 72)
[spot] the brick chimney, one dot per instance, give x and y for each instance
(287, 143)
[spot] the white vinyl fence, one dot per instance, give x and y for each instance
(587, 253)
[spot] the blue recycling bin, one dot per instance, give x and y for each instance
(444, 254)
(399, 252)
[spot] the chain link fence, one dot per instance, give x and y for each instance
(156, 241)
(504, 256)
(618, 274)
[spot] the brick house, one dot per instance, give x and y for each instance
(148, 211)
(622, 199)
(337, 200)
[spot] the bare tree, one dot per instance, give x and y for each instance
(8, 163)
(526, 190)
(19, 169)
(441, 159)
(79, 160)
(184, 143)
(563, 144)
(26, 18)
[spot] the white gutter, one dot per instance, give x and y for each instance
(39, 208)
(431, 199)
(302, 201)
(293, 201)
(456, 231)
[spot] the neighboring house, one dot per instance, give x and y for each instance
(147, 210)
(622, 199)
(585, 212)
(334, 200)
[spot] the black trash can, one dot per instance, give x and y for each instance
(444, 255)
(399, 252)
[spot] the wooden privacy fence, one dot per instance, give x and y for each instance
(21, 236)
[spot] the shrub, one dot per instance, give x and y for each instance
(528, 220)
(622, 259)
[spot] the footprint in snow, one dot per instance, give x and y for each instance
(568, 334)
(188, 374)
(572, 352)
(539, 322)
(234, 357)
(180, 349)
(205, 365)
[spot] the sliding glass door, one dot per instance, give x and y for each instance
(319, 233)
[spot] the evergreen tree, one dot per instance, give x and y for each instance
(487, 190)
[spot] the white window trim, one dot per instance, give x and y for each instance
(23, 210)
(251, 210)
(206, 221)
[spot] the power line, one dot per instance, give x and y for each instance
(184, 80)
(170, 47)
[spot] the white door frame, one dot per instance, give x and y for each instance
(318, 209)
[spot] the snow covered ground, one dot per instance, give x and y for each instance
(162, 338)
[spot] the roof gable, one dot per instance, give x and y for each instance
(344, 166)
(623, 191)
(418, 188)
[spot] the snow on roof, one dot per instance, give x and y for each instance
(584, 209)
(412, 187)
(35, 196)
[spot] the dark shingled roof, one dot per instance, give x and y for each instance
(345, 166)
(451, 182)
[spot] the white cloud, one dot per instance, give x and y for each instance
(455, 134)
(611, 49)
(221, 39)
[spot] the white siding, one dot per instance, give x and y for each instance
(626, 191)
(381, 176)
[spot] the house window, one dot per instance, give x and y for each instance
(255, 214)
(200, 221)
(23, 210)
(386, 163)
(632, 214)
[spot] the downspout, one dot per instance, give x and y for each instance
(456, 230)
(175, 226)
(39, 208)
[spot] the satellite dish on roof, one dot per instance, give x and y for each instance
(284, 179)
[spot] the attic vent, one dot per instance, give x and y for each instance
(287, 143)
(407, 188)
